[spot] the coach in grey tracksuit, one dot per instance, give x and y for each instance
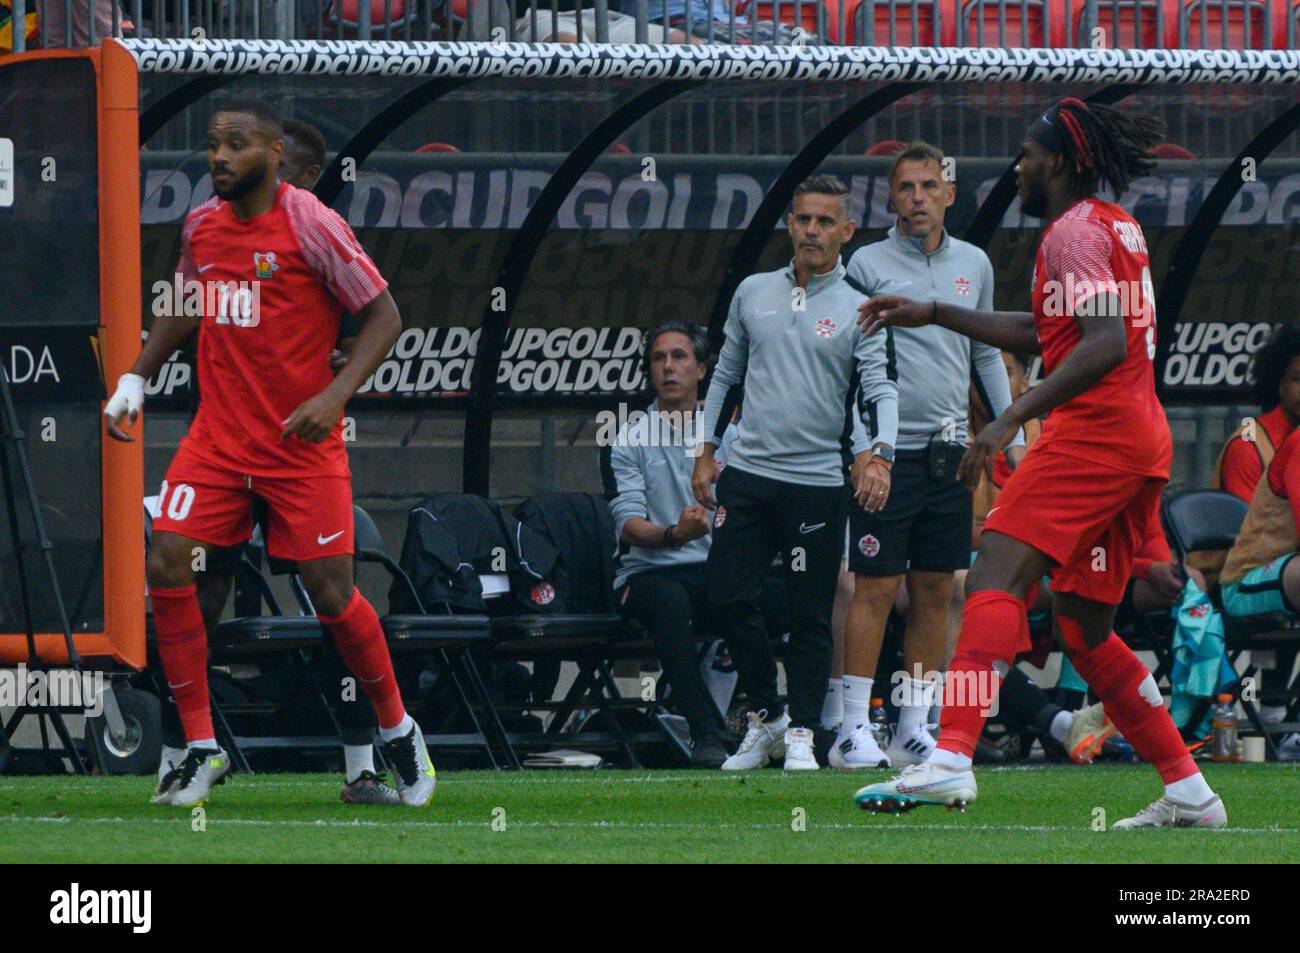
(925, 529)
(793, 345)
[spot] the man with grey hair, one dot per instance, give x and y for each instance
(791, 343)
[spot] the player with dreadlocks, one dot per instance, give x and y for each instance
(1080, 501)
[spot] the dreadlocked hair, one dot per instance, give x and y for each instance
(1270, 364)
(1108, 145)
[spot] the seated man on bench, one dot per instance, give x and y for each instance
(1261, 575)
(663, 533)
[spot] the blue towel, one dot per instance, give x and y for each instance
(1201, 668)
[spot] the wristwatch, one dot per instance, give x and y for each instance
(884, 452)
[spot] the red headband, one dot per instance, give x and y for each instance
(1081, 144)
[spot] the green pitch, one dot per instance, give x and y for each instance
(1040, 814)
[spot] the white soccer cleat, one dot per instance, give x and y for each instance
(1088, 732)
(799, 750)
(762, 743)
(169, 772)
(919, 784)
(911, 749)
(201, 771)
(859, 749)
(415, 774)
(1167, 813)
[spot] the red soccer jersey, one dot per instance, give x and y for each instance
(1096, 247)
(1241, 467)
(264, 344)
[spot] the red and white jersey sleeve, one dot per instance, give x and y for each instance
(332, 250)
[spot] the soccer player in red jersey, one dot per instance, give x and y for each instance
(1078, 506)
(265, 272)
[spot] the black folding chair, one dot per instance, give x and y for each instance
(451, 639)
(589, 635)
(1209, 520)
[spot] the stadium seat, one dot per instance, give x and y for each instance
(1008, 24)
(1172, 150)
(345, 16)
(450, 638)
(1230, 24)
(806, 14)
(437, 147)
(902, 23)
(1208, 521)
(1125, 24)
(886, 147)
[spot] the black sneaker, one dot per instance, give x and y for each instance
(708, 751)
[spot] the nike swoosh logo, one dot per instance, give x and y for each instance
(206, 267)
(764, 314)
(808, 529)
(992, 511)
(322, 540)
(181, 685)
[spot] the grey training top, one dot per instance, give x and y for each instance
(936, 366)
(798, 361)
(647, 475)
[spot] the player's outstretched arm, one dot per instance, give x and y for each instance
(167, 334)
(1007, 330)
(1102, 347)
(315, 419)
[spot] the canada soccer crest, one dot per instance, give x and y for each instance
(264, 265)
(868, 545)
(963, 287)
(825, 328)
(543, 594)
(719, 517)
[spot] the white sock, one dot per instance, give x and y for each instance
(833, 706)
(1061, 725)
(1190, 790)
(203, 743)
(857, 701)
(917, 698)
(399, 730)
(950, 760)
(357, 758)
(171, 757)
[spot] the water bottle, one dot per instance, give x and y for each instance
(1224, 726)
(877, 719)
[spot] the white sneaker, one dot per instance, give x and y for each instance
(202, 770)
(799, 750)
(919, 784)
(1288, 749)
(858, 749)
(762, 743)
(911, 749)
(1167, 813)
(413, 769)
(1088, 732)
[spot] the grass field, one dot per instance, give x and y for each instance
(1035, 814)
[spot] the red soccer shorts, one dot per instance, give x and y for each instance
(1089, 518)
(308, 516)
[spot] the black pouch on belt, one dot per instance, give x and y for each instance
(945, 458)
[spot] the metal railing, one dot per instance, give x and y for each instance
(1247, 24)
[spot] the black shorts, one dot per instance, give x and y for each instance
(925, 525)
